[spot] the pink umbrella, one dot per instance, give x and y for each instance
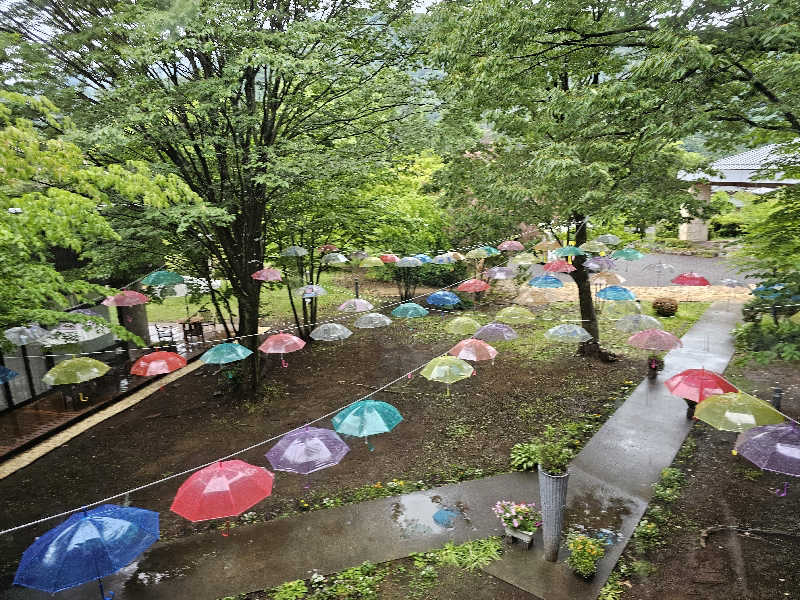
(355, 305)
(511, 246)
(654, 339)
(281, 343)
(472, 349)
(126, 298)
(389, 258)
(559, 266)
(158, 363)
(690, 279)
(267, 275)
(473, 285)
(328, 248)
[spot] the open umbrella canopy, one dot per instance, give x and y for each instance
(371, 261)
(637, 322)
(501, 273)
(593, 246)
(523, 258)
(772, 447)
(607, 278)
(75, 370)
(621, 308)
(473, 285)
(162, 278)
(654, 339)
(443, 259)
(733, 283)
(306, 450)
(294, 251)
(515, 315)
(456, 255)
(74, 333)
(409, 310)
(87, 546)
(616, 292)
(225, 353)
(443, 298)
(532, 297)
(22, 336)
(546, 245)
(389, 258)
(472, 349)
(355, 305)
(736, 411)
(698, 384)
(126, 298)
(281, 343)
(495, 332)
(423, 258)
(491, 250)
(223, 489)
(358, 255)
(511, 246)
(477, 254)
(372, 321)
(568, 251)
(568, 333)
(558, 266)
(267, 275)
(7, 374)
(627, 254)
(366, 417)
(546, 281)
(447, 369)
(334, 258)
(462, 326)
(158, 363)
(328, 248)
(409, 261)
(690, 279)
(659, 268)
(330, 332)
(310, 291)
(608, 238)
(600, 263)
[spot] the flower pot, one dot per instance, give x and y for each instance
(526, 537)
(553, 497)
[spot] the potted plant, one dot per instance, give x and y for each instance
(525, 456)
(585, 551)
(521, 521)
(554, 457)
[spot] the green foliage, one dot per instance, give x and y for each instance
(768, 340)
(525, 456)
(668, 488)
(647, 535)
(665, 307)
(470, 555)
(613, 589)
(585, 551)
(291, 590)
(554, 456)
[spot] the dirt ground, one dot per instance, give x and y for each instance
(760, 559)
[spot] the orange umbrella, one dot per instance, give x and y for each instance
(472, 349)
(158, 363)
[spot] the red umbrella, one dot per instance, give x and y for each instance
(698, 384)
(558, 266)
(281, 343)
(224, 489)
(158, 363)
(511, 246)
(126, 298)
(389, 258)
(654, 339)
(690, 279)
(473, 349)
(267, 275)
(473, 285)
(328, 248)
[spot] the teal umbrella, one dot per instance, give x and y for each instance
(568, 251)
(365, 418)
(627, 254)
(492, 251)
(409, 310)
(162, 278)
(225, 353)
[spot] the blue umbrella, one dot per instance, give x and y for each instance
(443, 299)
(546, 281)
(409, 310)
(443, 259)
(6, 374)
(424, 258)
(86, 547)
(616, 292)
(769, 292)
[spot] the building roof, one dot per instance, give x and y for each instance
(741, 168)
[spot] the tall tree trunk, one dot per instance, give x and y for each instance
(249, 307)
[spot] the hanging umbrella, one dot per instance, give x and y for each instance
(85, 311)
(472, 349)
(456, 255)
(595, 246)
(616, 292)
(372, 321)
(74, 333)
(267, 275)
(86, 547)
(637, 322)
(621, 308)
(306, 450)
(409, 310)
(546, 281)
(409, 261)
(221, 490)
(477, 254)
(7, 374)
(389, 258)
(491, 251)
(607, 278)
(523, 258)
(334, 258)
(569, 251)
(732, 283)
(532, 297)
(698, 384)
(162, 278)
(447, 370)
(281, 343)
(423, 258)
(328, 248)
(310, 291)
(494, 332)
(772, 447)
(627, 254)
(330, 332)
(75, 370)
(568, 332)
(294, 251)
(690, 279)
(736, 411)
(370, 261)
(654, 339)
(447, 299)
(365, 418)
(600, 263)
(500, 273)
(126, 298)
(158, 363)
(546, 245)
(516, 315)
(659, 268)
(358, 255)
(443, 259)
(462, 326)
(473, 285)
(355, 305)
(558, 266)
(608, 238)
(511, 246)
(225, 353)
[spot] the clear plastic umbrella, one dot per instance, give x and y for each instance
(595, 246)
(654, 339)
(477, 254)
(515, 315)
(294, 251)
(568, 333)
(608, 238)
(495, 332)
(443, 259)
(500, 273)
(620, 308)
(600, 263)
(462, 326)
(281, 343)
(546, 245)
(310, 291)
(370, 261)
(409, 261)
(523, 258)
(472, 349)
(22, 336)
(75, 370)
(74, 333)
(307, 450)
(372, 321)
(737, 411)
(355, 305)
(637, 322)
(447, 370)
(772, 447)
(511, 246)
(330, 332)
(334, 258)
(423, 258)
(627, 254)
(606, 278)
(532, 297)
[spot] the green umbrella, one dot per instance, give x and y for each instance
(515, 315)
(736, 411)
(462, 326)
(491, 250)
(478, 253)
(627, 254)
(447, 369)
(524, 258)
(371, 261)
(594, 246)
(162, 278)
(75, 370)
(225, 353)
(568, 251)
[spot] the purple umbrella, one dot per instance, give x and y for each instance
(772, 447)
(494, 332)
(307, 450)
(600, 263)
(500, 273)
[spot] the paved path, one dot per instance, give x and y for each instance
(610, 486)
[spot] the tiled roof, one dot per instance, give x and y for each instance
(749, 159)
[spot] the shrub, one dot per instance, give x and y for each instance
(585, 551)
(525, 457)
(783, 338)
(665, 307)
(673, 242)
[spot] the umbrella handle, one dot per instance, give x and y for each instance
(227, 531)
(102, 591)
(284, 364)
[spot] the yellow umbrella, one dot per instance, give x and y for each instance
(736, 411)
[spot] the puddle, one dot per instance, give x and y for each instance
(599, 517)
(423, 515)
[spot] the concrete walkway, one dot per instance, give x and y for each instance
(610, 485)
